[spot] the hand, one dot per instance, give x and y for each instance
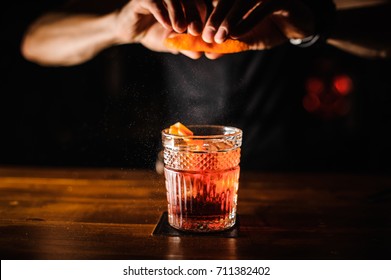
(261, 24)
(150, 22)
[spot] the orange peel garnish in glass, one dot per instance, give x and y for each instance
(181, 130)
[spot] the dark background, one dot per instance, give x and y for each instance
(102, 113)
(110, 110)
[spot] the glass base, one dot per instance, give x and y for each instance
(204, 224)
(202, 201)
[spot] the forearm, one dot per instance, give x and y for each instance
(362, 29)
(59, 39)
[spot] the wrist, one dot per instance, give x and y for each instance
(119, 36)
(324, 14)
(307, 41)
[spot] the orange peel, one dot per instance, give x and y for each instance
(180, 130)
(195, 43)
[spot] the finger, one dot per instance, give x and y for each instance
(264, 35)
(157, 9)
(256, 15)
(154, 37)
(216, 17)
(193, 17)
(296, 21)
(213, 56)
(191, 54)
(202, 8)
(176, 15)
(237, 13)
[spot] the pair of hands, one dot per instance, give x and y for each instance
(261, 24)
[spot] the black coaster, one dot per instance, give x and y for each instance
(163, 228)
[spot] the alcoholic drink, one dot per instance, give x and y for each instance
(202, 178)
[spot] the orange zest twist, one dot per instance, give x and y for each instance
(181, 130)
(195, 43)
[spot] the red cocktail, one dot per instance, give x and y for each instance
(202, 177)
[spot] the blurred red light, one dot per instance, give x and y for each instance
(343, 84)
(311, 103)
(314, 86)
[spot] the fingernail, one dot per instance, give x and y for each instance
(180, 27)
(195, 28)
(208, 34)
(221, 35)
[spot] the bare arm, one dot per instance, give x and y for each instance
(60, 39)
(76, 35)
(362, 28)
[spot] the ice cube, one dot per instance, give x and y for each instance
(223, 145)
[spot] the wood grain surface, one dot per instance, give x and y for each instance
(48, 213)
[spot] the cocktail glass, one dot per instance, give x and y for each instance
(202, 177)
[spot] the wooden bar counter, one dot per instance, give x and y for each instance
(48, 213)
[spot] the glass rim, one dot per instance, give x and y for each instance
(235, 132)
